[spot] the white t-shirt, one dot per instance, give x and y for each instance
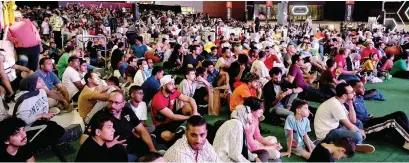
(9, 70)
(222, 61)
(141, 111)
(328, 116)
(261, 70)
(68, 78)
(46, 28)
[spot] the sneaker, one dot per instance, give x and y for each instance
(365, 148)
(180, 130)
(406, 145)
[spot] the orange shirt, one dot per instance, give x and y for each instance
(239, 94)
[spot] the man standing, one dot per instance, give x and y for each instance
(117, 56)
(57, 23)
(26, 39)
(193, 146)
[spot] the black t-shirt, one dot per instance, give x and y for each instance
(91, 151)
(22, 155)
(257, 23)
(321, 154)
(234, 71)
(189, 59)
(123, 127)
(116, 57)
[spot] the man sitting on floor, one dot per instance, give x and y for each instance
(101, 146)
(91, 93)
(71, 78)
(138, 106)
(60, 95)
(193, 146)
(393, 128)
(14, 141)
(127, 126)
(245, 90)
(333, 121)
(278, 95)
(165, 116)
(152, 84)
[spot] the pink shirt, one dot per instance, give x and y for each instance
(387, 65)
(340, 61)
(23, 32)
(253, 134)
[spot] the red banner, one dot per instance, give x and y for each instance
(229, 4)
(269, 3)
(350, 2)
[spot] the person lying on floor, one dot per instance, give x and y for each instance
(393, 128)
(193, 146)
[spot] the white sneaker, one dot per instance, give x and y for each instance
(406, 145)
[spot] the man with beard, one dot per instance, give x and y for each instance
(127, 127)
(392, 128)
(166, 118)
(193, 146)
(99, 148)
(13, 137)
(279, 101)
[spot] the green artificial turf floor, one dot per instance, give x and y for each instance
(396, 93)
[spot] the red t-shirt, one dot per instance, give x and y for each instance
(159, 102)
(340, 61)
(367, 52)
(269, 62)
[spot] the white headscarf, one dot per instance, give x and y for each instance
(241, 113)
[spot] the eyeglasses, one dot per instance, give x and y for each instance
(114, 102)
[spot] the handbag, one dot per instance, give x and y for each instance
(214, 103)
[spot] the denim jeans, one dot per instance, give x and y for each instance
(343, 131)
(281, 108)
(348, 77)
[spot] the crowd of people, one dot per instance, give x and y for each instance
(162, 67)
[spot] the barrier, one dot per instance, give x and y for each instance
(84, 38)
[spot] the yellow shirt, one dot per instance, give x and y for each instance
(369, 65)
(86, 101)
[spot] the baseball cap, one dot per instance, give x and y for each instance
(165, 80)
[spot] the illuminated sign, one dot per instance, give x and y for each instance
(269, 3)
(229, 4)
(299, 10)
(388, 22)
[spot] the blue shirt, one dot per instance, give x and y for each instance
(212, 76)
(381, 52)
(360, 109)
(299, 129)
(123, 67)
(212, 58)
(50, 79)
(139, 51)
(150, 88)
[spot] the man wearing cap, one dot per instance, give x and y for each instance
(26, 39)
(165, 116)
(368, 50)
(71, 78)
